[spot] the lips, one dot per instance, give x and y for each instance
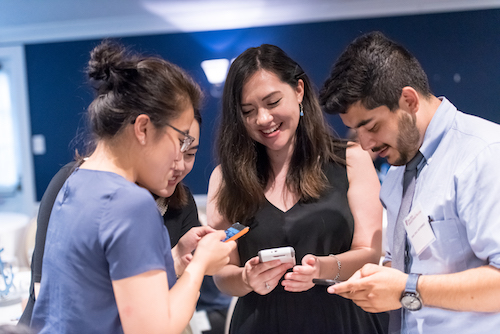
(272, 130)
(173, 180)
(382, 152)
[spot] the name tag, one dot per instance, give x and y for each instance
(419, 229)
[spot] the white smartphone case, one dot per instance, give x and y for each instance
(284, 254)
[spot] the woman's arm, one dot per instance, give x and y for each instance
(214, 217)
(145, 303)
(366, 208)
(230, 279)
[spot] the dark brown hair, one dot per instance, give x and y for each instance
(373, 70)
(129, 84)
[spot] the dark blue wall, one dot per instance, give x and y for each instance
(464, 43)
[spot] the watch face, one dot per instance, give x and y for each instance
(411, 301)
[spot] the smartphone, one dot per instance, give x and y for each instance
(327, 282)
(235, 231)
(284, 254)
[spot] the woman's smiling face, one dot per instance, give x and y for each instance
(271, 110)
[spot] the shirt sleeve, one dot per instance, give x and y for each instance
(132, 234)
(478, 188)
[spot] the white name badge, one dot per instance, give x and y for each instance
(419, 229)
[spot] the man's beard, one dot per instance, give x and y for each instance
(408, 139)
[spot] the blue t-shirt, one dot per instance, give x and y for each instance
(102, 228)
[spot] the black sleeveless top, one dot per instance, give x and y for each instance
(319, 227)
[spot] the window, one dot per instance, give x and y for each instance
(9, 177)
(17, 184)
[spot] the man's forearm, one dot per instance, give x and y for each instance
(475, 289)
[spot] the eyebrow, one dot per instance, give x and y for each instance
(265, 97)
(194, 147)
(361, 123)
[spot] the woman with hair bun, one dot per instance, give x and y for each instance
(107, 265)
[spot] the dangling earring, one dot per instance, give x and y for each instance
(301, 109)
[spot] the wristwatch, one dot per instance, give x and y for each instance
(411, 299)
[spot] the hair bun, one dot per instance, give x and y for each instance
(109, 65)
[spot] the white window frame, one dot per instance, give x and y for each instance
(13, 62)
(9, 162)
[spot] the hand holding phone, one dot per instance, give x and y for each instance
(235, 231)
(284, 254)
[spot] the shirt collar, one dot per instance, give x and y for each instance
(440, 123)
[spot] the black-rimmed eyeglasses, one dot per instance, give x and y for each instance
(186, 142)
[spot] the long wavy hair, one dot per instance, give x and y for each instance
(244, 163)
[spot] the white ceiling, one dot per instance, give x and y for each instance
(33, 21)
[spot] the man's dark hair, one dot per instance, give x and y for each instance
(373, 70)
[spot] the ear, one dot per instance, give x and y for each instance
(409, 100)
(300, 90)
(141, 128)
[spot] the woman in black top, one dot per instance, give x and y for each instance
(284, 174)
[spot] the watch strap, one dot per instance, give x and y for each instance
(411, 283)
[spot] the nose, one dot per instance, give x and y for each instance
(264, 117)
(179, 164)
(179, 157)
(365, 140)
